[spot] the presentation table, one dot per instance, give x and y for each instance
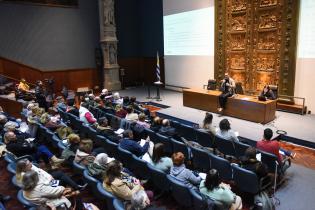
(239, 106)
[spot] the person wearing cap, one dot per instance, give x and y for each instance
(98, 167)
(228, 90)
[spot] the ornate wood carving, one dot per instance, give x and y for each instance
(256, 42)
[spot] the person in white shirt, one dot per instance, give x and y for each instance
(225, 131)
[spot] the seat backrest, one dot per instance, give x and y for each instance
(212, 84)
(124, 156)
(167, 143)
(111, 148)
(118, 205)
(240, 149)
(222, 165)
(23, 200)
(105, 195)
(78, 169)
(246, 180)
(270, 160)
(139, 167)
(180, 147)
(200, 159)
(205, 139)
(152, 135)
(225, 146)
(274, 89)
(239, 88)
(180, 192)
(11, 167)
(187, 132)
(158, 178)
(91, 133)
(89, 179)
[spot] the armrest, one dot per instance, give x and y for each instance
(264, 183)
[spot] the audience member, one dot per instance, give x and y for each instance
(73, 145)
(272, 146)
(156, 124)
(167, 130)
(40, 95)
(23, 86)
(181, 173)
(72, 109)
(159, 158)
(120, 112)
(24, 148)
(117, 99)
(98, 167)
(250, 163)
(129, 144)
(105, 130)
(24, 165)
(40, 193)
(131, 116)
(142, 121)
(85, 115)
(225, 131)
(219, 191)
(84, 154)
(121, 185)
(207, 124)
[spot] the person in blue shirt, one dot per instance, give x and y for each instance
(127, 143)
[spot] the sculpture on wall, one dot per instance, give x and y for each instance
(238, 24)
(267, 21)
(237, 62)
(267, 3)
(109, 18)
(237, 42)
(267, 42)
(238, 5)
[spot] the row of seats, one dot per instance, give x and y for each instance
(202, 160)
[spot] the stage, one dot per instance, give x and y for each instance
(297, 126)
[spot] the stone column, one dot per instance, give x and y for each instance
(109, 41)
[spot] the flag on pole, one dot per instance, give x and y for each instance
(158, 73)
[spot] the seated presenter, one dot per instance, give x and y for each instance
(228, 90)
(267, 93)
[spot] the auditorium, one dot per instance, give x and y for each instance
(157, 104)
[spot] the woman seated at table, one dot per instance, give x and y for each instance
(267, 93)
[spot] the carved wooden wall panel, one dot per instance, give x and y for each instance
(256, 42)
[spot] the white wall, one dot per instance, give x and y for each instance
(305, 81)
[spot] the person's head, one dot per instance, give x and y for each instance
(3, 119)
(1, 109)
(158, 152)
(73, 139)
(45, 118)
(97, 99)
(157, 120)
(70, 102)
(250, 153)
(208, 119)
(86, 145)
(128, 134)
(266, 88)
(118, 107)
(39, 83)
(103, 121)
(101, 159)
(226, 76)
(116, 96)
(268, 134)
(212, 179)
(178, 158)
(84, 104)
(91, 96)
(10, 126)
(142, 117)
(166, 122)
(224, 125)
(30, 180)
(104, 92)
(22, 166)
(133, 99)
(9, 137)
(113, 171)
(129, 109)
(140, 200)
(23, 80)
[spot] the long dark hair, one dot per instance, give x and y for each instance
(113, 171)
(158, 152)
(212, 179)
(224, 125)
(208, 119)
